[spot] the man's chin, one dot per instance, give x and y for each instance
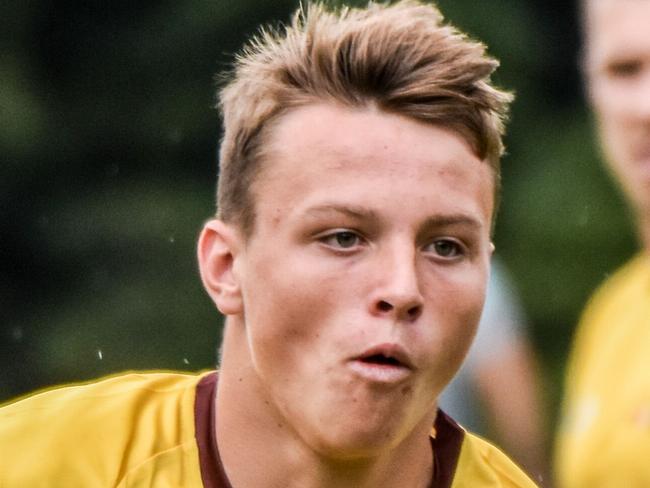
(356, 436)
(356, 447)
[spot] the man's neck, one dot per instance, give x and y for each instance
(259, 449)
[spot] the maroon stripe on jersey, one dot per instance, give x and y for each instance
(446, 450)
(212, 472)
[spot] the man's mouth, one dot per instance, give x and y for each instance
(385, 363)
(380, 359)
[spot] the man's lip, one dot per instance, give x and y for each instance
(388, 350)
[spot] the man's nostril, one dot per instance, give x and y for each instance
(413, 311)
(385, 306)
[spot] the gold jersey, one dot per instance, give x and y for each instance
(157, 430)
(604, 437)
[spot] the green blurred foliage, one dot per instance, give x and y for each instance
(108, 143)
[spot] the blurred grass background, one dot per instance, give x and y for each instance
(108, 144)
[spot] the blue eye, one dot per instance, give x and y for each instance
(342, 239)
(446, 248)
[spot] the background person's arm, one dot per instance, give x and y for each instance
(510, 389)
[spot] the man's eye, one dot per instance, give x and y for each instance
(342, 239)
(624, 69)
(445, 248)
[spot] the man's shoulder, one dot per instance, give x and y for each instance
(482, 464)
(104, 428)
(624, 284)
(125, 388)
(465, 460)
(617, 300)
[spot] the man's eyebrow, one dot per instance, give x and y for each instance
(353, 211)
(445, 220)
(433, 221)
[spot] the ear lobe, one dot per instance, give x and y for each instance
(217, 249)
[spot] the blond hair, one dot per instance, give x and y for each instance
(399, 57)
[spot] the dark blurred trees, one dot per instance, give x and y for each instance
(108, 146)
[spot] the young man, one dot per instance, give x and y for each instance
(350, 254)
(605, 436)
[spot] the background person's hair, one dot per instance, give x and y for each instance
(400, 58)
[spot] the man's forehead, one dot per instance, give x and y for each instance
(616, 28)
(607, 17)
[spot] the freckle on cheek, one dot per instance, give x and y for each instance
(291, 333)
(406, 390)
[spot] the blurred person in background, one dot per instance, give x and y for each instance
(497, 392)
(604, 437)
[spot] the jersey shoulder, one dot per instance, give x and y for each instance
(616, 301)
(100, 433)
(482, 464)
(605, 385)
(625, 286)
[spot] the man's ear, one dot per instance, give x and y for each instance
(218, 247)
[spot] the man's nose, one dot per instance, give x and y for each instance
(397, 293)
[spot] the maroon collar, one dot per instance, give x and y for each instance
(212, 472)
(446, 450)
(446, 445)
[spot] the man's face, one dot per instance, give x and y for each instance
(618, 73)
(364, 278)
